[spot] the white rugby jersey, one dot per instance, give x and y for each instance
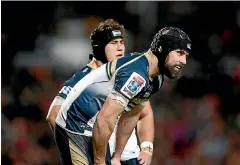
(87, 90)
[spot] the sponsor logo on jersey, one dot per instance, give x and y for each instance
(133, 85)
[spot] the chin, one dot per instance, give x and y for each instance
(177, 78)
(176, 75)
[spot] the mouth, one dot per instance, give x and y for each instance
(119, 55)
(178, 68)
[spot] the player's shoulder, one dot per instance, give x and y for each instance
(133, 62)
(78, 76)
(132, 58)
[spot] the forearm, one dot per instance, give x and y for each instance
(51, 117)
(54, 110)
(146, 129)
(102, 131)
(103, 128)
(125, 128)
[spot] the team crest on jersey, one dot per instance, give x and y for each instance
(133, 85)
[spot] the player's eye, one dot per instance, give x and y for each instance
(122, 41)
(179, 52)
(113, 42)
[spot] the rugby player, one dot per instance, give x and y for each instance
(120, 87)
(111, 46)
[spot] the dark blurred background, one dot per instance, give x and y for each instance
(197, 119)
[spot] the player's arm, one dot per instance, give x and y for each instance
(123, 91)
(126, 124)
(103, 128)
(56, 105)
(53, 110)
(145, 126)
(145, 131)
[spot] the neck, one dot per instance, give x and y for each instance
(95, 64)
(153, 64)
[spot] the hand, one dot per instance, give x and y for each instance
(99, 163)
(115, 161)
(144, 158)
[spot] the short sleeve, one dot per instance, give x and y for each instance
(128, 83)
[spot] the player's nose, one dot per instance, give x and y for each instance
(183, 60)
(120, 46)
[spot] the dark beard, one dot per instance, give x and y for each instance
(175, 75)
(169, 72)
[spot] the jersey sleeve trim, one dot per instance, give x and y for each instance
(114, 95)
